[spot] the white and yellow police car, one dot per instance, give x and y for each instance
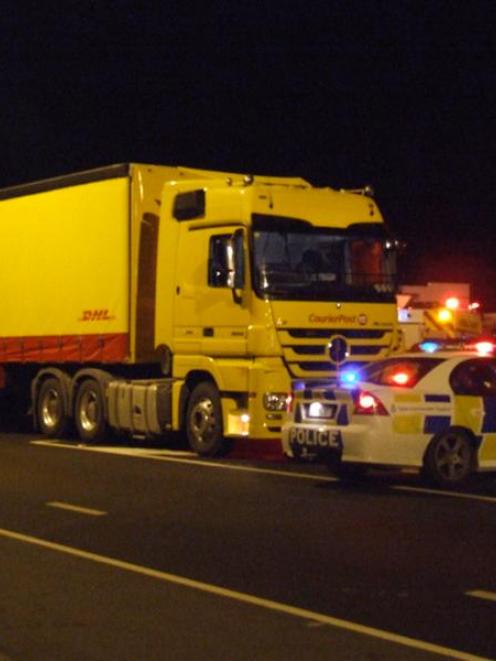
(434, 409)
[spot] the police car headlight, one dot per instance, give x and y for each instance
(275, 401)
(319, 410)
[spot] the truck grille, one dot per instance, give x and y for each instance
(323, 352)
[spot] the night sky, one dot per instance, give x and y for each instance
(399, 95)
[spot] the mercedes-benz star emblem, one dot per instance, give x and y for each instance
(338, 349)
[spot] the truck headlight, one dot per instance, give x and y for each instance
(275, 401)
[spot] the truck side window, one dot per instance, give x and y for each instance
(218, 269)
(366, 261)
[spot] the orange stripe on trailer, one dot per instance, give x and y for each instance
(445, 327)
(433, 322)
(105, 348)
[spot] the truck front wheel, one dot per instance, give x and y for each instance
(51, 408)
(90, 412)
(204, 421)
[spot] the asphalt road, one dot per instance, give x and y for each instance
(139, 553)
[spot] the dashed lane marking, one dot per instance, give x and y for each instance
(191, 459)
(243, 597)
(75, 508)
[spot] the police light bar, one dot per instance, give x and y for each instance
(429, 347)
(484, 347)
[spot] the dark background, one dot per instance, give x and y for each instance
(399, 95)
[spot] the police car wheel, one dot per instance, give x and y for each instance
(449, 459)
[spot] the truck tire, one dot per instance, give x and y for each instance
(89, 412)
(449, 459)
(204, 421)
(51, 408)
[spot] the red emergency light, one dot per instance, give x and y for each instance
(400, 378)
(484, 347)
(367, 403)
(452, 303)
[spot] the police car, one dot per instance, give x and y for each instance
(433, 408)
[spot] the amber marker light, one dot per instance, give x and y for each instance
(444, 316)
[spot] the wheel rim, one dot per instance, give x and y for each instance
(453, 457)
(51, 408)
(88, 411)
(203, 421)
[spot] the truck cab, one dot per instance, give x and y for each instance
(270, 282)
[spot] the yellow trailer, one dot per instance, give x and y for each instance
(153, 298)
(438, 322)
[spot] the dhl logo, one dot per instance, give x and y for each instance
(96, 315)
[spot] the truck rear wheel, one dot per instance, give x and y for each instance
(51, 408)
(204, 421)
(90, 412)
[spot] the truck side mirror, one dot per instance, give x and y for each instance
(236, 265)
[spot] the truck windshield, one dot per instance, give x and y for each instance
(294, 260)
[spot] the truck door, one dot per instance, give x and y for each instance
(209, 316)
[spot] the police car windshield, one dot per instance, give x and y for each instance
(399, 371)
(294, 260)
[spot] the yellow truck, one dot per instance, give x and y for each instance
(148, 299)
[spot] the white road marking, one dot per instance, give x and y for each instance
(194, 462)
(243, 597)
(75, 508)
(482, 594)
(449, 494)
(170, 456)
(314, 625)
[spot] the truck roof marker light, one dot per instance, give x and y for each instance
(429, 347)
